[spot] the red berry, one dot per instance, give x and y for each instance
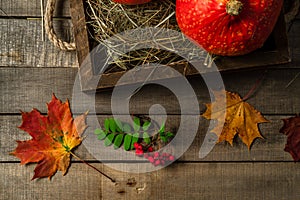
(171, 158)
(165, 155)
(157, 162)
(136, 145)
(156, 155)
(150, 149)
(162, 162)
(139, 152)
(151, 159)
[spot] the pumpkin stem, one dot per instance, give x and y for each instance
(234, 7)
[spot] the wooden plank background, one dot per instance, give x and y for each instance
(180, 181)
(32, 69)
(19, 8)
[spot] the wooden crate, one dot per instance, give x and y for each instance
(275, 51)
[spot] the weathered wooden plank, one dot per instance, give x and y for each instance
(268, 149)
(15, 8)
(22, 44)
(222, 181)
(180, 181)
(25, 88)
(78, 184)
(80, 29)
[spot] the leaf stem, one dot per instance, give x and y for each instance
(254, 87)
(111, 179)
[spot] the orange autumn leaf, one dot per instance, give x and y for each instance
(53, 138)
(240, 118)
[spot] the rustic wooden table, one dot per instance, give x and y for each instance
(32, 69)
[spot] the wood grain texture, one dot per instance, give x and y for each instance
(31, 70)
(25, 88)
(19, 8)
(268, 149)
(79, 183)
(180, 181)
(80, 29)
(22, 44)
(219, 181)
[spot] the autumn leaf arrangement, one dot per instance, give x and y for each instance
(55, 136)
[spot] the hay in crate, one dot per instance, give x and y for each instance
(107, 19)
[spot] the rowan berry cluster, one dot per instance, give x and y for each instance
(156, 158)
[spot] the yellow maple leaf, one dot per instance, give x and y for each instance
(240, 118)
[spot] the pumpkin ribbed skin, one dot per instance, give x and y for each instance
(208, 23)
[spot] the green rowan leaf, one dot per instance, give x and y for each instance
(127, 142)
(106, 124)
(126, 128)
(100, 134)
(109, 139)
(162, 128)
(169, 135)
(164, 138)
(136, 124)
(119, 125)
(118, 141)
(112, 125)
(146, 138)
(98, 131)
(146, 125)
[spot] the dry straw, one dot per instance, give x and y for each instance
(107, 19)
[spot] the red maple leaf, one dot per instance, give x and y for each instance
(53, 138)
(291, 128)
